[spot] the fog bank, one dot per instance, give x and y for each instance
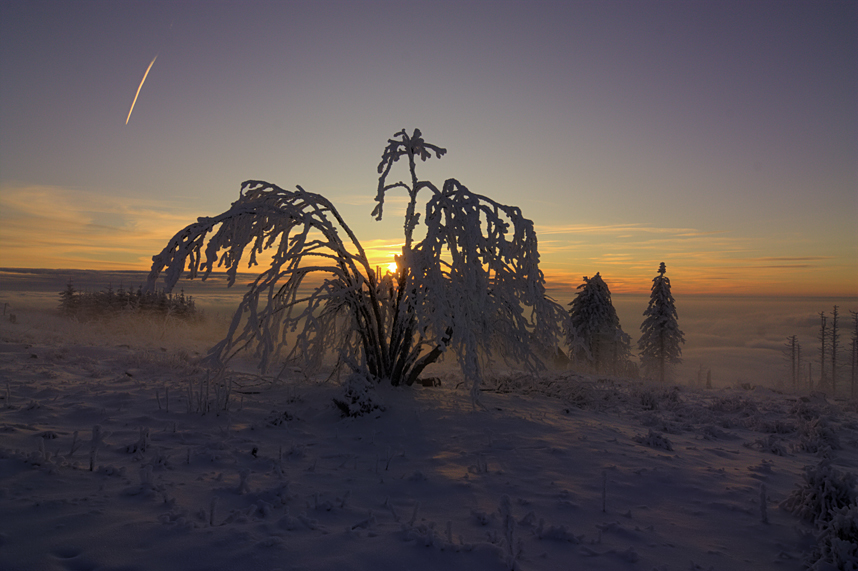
(740, 339)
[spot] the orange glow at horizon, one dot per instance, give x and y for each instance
(54, 227)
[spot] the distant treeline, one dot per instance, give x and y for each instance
(109, 301)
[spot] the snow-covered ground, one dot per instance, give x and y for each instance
(562, 472)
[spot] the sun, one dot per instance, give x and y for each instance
(392, 267)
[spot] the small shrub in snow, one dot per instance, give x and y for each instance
(579, 394)
(360, 397)
(771, 426)
(824, 491)
(649, 400)
(278, 418)
(654, 440)
(837, 542)
(771, 443)
(711, 432)
(660, 423)
(110, 470)
(423, 533)
(177, 519)
(556, 533)
(809, 408)
(482, 517)
(817, 436)
(658, 399)
(735, 404)
(142, 443)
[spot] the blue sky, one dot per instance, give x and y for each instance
(718, 137)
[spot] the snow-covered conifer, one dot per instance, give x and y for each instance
(661, 337)
(69, 299)
(596, 340)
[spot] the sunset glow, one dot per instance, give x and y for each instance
(428, 284)
(717, 138)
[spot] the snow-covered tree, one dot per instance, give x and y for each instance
(469, 281)
(596, 340)
(661, 337)
(69, 299)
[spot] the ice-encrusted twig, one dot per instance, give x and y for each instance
(414, 514)
(212, 508)
(243, 485)
(508, 522)
(96, 441)
(145, 474)
(74, 445)
(389, 505)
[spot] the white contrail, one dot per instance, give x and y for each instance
(139, 88)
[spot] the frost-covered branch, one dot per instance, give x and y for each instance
(304, 230)
(471, 283)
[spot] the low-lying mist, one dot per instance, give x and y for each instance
(739, 339)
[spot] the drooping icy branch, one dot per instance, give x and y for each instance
(472, 283)
(303, 229)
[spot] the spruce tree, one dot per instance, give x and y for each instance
(593, 331)
(69, 299)
(661, 337)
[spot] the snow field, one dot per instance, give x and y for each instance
(563, 472)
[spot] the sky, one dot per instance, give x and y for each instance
(718, 137)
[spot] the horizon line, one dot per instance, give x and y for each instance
(551, 289)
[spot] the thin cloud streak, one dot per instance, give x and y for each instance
(711, 261)
(614, 229)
